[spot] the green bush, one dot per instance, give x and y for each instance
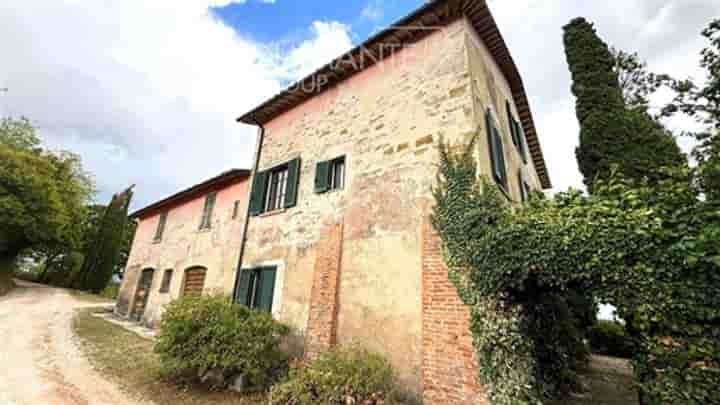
(609, 338)
(350, 375)
(212, 339)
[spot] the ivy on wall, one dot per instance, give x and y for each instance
(650, 251)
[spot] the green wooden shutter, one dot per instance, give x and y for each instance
(521, 184)
(322, 177)
(521, 141)
(292, 183)
(242, 296)
(492, 147)
(499, 158)
(512, 124)
(257, 199)
(266, 289)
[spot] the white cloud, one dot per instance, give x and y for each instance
(146, 92)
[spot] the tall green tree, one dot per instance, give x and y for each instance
(702, 102)
(105, 252)
(612, 135)
(42, 193)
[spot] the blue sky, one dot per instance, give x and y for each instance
(287, 22)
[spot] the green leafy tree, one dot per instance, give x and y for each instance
(105, 251)
(702, 101)
(611, 133)
(42, 194)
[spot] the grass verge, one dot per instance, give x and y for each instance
(128, 360)
(91, 298)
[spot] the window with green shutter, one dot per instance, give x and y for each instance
(275, 188)
(497, 151)
(516, 132)
(524, 187)
(206, 221)
(256, 288)
(330, 175)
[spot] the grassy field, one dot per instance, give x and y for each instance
(128, 360)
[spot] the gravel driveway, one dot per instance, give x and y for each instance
(40, 362)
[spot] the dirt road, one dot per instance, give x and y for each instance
(40, 362)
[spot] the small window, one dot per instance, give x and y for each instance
(524, 187)
(276, 188)
(166, 280)
(330, 175)
(206, 222)
(236, 209)
(256, 288)
(160, 228)
(497, 152)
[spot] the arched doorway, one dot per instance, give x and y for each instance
(142, 293)
(194, 281)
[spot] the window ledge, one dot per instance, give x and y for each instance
(273, 212)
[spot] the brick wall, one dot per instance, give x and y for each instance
(322, 322)
(449, 365)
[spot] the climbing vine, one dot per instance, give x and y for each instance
(650, 251)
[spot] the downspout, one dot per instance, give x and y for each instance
(243, 241)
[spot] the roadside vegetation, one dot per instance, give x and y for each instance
(129, 361)
(51, 230)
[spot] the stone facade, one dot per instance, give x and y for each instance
(185, 246)
(383, 273)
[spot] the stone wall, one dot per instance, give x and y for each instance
(184, 246)
(385, 121)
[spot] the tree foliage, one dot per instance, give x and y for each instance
(43, 194)
(702, 102)
(104, 252)
(611, 133)
(650, 250)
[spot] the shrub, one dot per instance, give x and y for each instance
(350, 375)
(210, 338)
(609, 338)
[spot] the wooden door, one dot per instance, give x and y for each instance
(142, 294)
(194, 282)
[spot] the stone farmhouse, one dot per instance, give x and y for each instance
(187, 243)
(337, 242)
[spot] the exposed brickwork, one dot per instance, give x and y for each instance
(322, 323)
(449, 364)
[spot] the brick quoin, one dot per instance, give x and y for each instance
(321, 332)
(449, 365)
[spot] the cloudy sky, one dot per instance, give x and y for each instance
(147, 91)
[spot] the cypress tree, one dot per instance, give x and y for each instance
(611, 134)
(102, 256)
